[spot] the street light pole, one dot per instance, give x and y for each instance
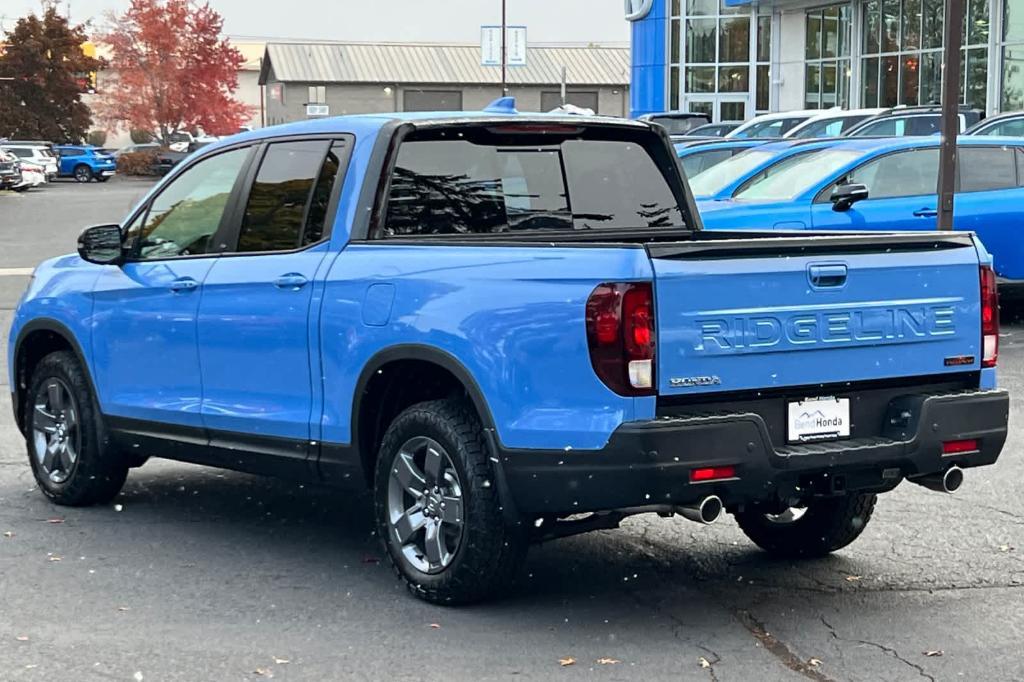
(952, 32)
(504, 49)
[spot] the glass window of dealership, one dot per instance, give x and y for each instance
(734, 62)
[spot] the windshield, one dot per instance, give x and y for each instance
(795, 175)
(715, 179)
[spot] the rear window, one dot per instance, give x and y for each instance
(483, 183)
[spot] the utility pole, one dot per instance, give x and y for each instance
(504, 49)
(952, 31)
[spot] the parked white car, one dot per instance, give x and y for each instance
(32, 175)
(38, 154)
(832, 123)
(773, 125)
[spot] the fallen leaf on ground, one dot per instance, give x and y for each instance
(703, 662)
(263, 672)
(8, 534)
(30, 666)
(436, 626)
(54, 558)
(566, 661)
(852, 578)
(814, 662)
(608, 661)
(21, 638)
(1005, 548)
(371, 560)
(933, 653)
(118, 507)
(124, 608)
(55, 520)
(282, 661)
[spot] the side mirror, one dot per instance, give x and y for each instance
(846, 196)
(101, 244)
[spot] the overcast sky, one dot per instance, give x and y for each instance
(548, 21)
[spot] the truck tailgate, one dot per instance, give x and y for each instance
(735, 317)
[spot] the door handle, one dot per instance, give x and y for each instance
(925, 213)
(184, 284)
(827, 276)
(292, 280)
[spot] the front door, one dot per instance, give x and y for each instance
(144, 313)
(256, 337)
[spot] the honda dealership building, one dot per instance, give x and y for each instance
(736, 58)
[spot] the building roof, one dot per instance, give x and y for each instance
(449, 64)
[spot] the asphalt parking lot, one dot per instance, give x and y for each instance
(197, 574)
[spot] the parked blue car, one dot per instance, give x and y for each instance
(721, 180)
(889, 184)
(699, 155)
(509, 328)
(85, 163)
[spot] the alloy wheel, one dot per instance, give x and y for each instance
(425, 505)
(55, 430)
(83, 174)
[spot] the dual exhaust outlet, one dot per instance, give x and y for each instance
(709, 509)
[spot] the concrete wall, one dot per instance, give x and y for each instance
(792, 43)
(345, 98)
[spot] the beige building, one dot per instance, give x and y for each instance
(303, 80)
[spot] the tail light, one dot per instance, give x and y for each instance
(989, 317)
(620, 335)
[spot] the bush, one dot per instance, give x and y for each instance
(97, 138)
(137, 163)
(141, 136)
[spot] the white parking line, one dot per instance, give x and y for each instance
(15, 272)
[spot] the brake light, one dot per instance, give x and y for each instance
(620, 336)
(989, 317)
(712, 474)
(956, 447)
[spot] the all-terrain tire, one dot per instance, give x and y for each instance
(99, 470)
(490, 552)
(828, 524)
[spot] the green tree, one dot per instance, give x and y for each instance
(43, 72)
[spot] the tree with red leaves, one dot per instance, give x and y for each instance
(173, 71)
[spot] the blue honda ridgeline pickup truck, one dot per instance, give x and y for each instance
(510, 328)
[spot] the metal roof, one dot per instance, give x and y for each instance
(449, 64)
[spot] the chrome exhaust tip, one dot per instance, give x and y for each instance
(706, 511)
(946, 482)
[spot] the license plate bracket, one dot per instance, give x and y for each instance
(818, 419)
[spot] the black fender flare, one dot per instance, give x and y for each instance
(49, 325)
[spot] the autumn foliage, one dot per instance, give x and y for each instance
(172, 70)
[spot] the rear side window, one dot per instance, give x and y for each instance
(701, 161)
(492, 184)
(924, 125)
(287, 206)
(986, 168)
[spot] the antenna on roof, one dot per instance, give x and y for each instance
(502, 105)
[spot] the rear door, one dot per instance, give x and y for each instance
(902, 190)
(990, 202)
(796, 312)
(254, 319)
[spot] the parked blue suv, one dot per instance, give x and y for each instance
(889, 184)
(85, 163)
(510, 328)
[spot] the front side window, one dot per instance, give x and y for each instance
(904, 174)
(486, 184)
(288, 202)
(184, 217)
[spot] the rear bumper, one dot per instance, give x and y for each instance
(649, 463)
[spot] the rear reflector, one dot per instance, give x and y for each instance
(989, 317)
(956, 447)
(711, 474)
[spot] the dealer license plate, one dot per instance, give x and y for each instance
(814, 419)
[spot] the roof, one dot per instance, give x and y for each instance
(448, 64)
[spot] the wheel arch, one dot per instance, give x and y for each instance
(374, 385)
(37, 339)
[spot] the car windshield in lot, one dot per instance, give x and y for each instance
(794, 176)
(713, 180)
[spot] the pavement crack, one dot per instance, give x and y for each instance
(881, 647)
(778, 648)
